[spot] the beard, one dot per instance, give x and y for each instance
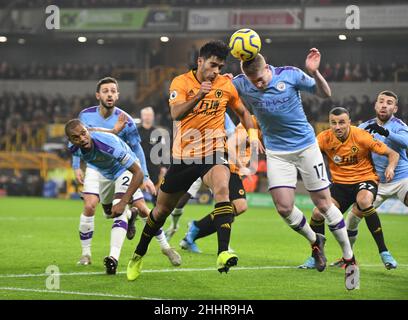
(383, 118)
(106, 105)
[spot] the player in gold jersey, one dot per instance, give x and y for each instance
(238, 146)
(198, 102)
(348, 150)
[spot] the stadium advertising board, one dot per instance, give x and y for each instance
(393, 16)
(204, 20)
(121, 19)
(266, 19)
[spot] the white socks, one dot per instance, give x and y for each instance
(118, 232)
(352, 222)
(336, 225)
(86, 229)
(175, 217)
(297, 221)
(160, 237)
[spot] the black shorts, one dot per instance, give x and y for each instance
(236, 188)
(346, 194)
(181, 176)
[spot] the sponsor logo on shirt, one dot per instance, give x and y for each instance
(173, 95)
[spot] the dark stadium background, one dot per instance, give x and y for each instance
(48, 76)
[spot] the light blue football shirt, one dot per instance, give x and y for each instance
(92, 118)
(279, 108)
(396, 140)
(229, 125)
(110, 155)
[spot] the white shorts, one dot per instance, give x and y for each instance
(95, 183)
(195, 187)
(282, 169)
(392, 189)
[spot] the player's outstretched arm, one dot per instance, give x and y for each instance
(312, 66)
(393, 158)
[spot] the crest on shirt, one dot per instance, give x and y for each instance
(281, 86)
(354, 149)
(218, 93)
(337, 159)
(173, 95)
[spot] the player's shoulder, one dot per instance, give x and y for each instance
(366, 123)
(285, 70)
(130, 120)
(326, 137)
(359, 132)
(240, 81)
(89, 110)
(73, 148)
(183, 77)
(398, 122)
(287, 74)
(105, 141)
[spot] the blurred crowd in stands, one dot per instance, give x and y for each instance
(63, 71)
(71, 71)
(27, 113)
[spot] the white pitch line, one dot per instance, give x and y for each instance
(28, 275)
(94, 294)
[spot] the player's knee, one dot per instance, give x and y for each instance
(284, 209)
(163, 211)
(363, 204)
(89, 209)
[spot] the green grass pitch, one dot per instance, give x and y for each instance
(37, 233)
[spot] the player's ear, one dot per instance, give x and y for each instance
(97, 95)
(395, 109)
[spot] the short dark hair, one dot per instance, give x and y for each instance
(71, 124)
(106, 80)
(336, 111)
(389, 93)
(215, 48)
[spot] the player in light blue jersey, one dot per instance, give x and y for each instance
(106, 115)
(116, 162)
(273, 94)
(394, 133)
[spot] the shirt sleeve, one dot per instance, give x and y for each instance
(235, 100)
(123, 155)
(76, 162)
(178, 91)
(303, 81)
(320, 140)
(373, 144)
(400, 137)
